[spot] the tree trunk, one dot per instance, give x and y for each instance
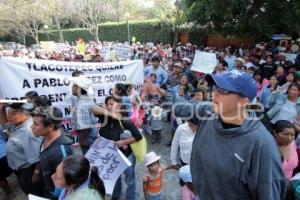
(36, 38)
(175, 39)
(96, 36)
(57, 22)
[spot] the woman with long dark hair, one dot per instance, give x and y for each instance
(123, 131)
(78, 180)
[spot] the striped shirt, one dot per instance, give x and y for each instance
(22, 146)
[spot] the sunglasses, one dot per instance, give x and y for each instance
(222, 91)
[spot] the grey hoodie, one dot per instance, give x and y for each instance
(234, 164)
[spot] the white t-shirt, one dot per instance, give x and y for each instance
(183, 140)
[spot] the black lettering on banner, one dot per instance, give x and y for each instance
(51, 67)
(44, 67)
(37, 82)
(26, 84)
(107, 158)
(90, 68)
(67, 111)
(95, 155)
(95, 79)
(113, 165)
(29, 66)
(51, 82)
(57, 97)
(112, 148)
(101, 93)
(45, 83)
(98, 68)
(66, 126)
(59, 68)
(115, 78)
(111, 91)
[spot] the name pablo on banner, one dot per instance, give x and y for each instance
(51, 78)
(109, 160)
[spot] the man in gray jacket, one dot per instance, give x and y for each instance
(233, 156)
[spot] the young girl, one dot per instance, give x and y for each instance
(152, 181)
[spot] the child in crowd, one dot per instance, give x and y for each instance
(156, 124)
(152, 180)
(199, 95)
(188, 191)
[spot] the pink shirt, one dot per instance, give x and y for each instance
(292, 163)
(187, 194)
(260, 86)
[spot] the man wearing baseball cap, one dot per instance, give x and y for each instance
(233, 155)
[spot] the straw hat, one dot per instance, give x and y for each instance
(151, 157)
(84, 83)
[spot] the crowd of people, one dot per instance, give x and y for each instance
(234, 131)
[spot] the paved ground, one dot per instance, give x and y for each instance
(171, 189)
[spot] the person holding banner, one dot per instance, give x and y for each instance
(114, 129)
(22, 147)
(78, 180)
(83, 120)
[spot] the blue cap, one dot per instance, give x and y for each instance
(235, 81)
(185, 174)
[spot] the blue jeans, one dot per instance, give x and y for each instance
(130, 181)
(156, 197)
(91, 139)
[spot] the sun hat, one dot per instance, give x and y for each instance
(241, 60)
(185, 174)
(179, 64)
(156, 111)
(151, 157)
(235, 81)
(84, 83)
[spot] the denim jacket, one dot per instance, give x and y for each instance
(276, 101)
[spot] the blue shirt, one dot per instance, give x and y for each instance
(2, 144)
(128, 106)
(161, 74)
(230, 61)
(264, 98)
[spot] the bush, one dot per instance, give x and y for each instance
(144, 31)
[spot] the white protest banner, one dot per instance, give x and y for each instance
(106, 53)
(204, 62)
(109, 160)
(123, 51)
(50, 78)
(47, 46)
(150, 44)
(61, 47)
(33, 197)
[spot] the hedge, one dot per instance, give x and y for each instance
(144, 31)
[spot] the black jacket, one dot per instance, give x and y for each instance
(112, 130)
(52, 156)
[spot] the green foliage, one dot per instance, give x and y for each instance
(144, 31)
(245, 17)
